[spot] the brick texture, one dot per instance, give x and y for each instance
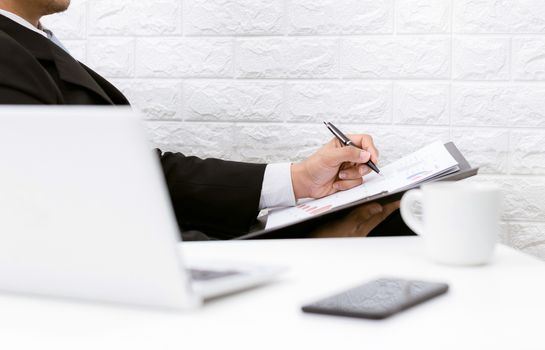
(253, 79)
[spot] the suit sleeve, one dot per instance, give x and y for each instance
(217, 197)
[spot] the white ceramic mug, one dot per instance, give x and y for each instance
(459, 221)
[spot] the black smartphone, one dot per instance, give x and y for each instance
(378, 299)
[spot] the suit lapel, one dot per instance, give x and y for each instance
(70, 70)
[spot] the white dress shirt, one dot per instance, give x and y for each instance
(276, 190)
(22, 22)
(40, 29)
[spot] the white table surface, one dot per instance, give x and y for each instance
(498, 306)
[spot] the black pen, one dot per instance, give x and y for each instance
(345, 141)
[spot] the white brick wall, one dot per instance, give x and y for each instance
(253, 79)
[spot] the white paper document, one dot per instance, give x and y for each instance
(431, 161)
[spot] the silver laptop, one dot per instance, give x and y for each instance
(85, 213)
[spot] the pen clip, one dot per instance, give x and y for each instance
(338, 134)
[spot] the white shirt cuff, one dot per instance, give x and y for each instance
(277, 189)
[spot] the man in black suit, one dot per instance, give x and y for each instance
(212, 198)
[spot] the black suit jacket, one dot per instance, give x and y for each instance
(217, 197)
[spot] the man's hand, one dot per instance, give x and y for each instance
(333, 168)
(358, 223)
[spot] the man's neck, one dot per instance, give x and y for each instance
(28, 14)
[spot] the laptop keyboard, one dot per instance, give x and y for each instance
(206, 275)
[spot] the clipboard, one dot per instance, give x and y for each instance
(295, 229)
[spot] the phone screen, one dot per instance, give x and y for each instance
(378, 299)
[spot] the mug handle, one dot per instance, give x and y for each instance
(407, 202)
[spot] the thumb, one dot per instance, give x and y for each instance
(336, 156)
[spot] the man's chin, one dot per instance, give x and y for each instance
(56, 6)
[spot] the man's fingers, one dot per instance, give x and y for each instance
(358, 222)
(371, 215)
(364, 170)
(351, 173)
(366, 142)
(390, 208)
(365, 227)
(343, 185)
(337, 156)
(375, 219)
(366, 211)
